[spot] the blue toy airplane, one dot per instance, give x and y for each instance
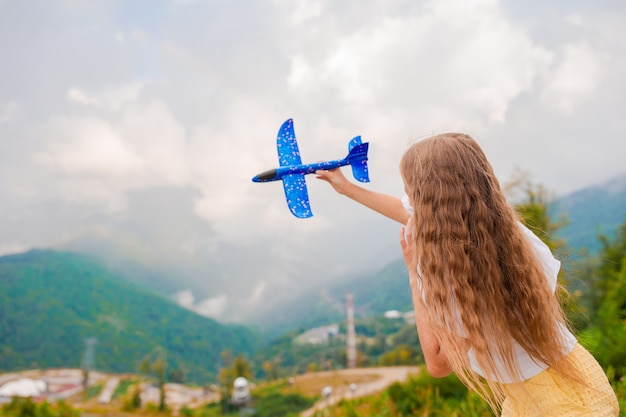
(292, 171)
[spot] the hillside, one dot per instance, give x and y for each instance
(592, 211)
(51, 302)
(375, 293)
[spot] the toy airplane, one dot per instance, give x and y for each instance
(292, 170)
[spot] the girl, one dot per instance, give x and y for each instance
(483, 286)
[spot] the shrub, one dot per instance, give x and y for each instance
(276, 404)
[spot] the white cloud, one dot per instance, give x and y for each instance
(113, 99)
(300, 11)
(86, 135)
(140, 146)
(88, 146)
(8, 112)
(457, 60)
(301, 73)
(575, 20)
(259, 292)
(12, 248)
(212, 307)
(160, 141)
(78, 96)
(185, 298)
(575, 77)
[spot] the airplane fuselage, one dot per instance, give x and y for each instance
(277, 174)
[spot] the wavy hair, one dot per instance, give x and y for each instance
(479, 276)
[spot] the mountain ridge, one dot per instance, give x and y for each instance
(51, 302)
(89, 298)
(591, 211)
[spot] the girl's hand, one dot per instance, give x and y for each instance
(335, 178)
(407, 243)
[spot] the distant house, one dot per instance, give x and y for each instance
(23, 387)
(318, 335)
(392, 314)
(408, 317)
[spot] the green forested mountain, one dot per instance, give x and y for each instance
(592, 211)
(50, 302)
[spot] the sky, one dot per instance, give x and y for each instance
(132, 129)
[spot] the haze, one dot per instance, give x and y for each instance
(132, 129)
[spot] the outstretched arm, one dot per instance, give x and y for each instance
(384, 204)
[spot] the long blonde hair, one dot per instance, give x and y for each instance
(480, 278)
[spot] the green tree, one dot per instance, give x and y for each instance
(400, 355)
(272, 369)
(277, 404)
(532, 203)
(26, 407)
(226, 378)
(154, 365)
(134, 402)
(611, 264)
(178, 375)
(232, 369)
(241, 367)
(606, 335)
(533, 208)
(159, 366)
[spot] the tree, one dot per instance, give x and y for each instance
(178, 375)
(154, 365)
(400, 355)
(611, 264)
(533, 208)
(606, 335)
(232, 369)
(241, 367)
(272, 369)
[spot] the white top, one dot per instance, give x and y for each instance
(527, 366)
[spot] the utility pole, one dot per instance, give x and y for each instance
(351, 336)
(88, 361)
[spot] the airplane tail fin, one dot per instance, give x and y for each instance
(357, 157)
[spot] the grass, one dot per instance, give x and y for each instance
(312, 384)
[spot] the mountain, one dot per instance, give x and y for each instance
(375, 293)
(590, 212)
(52, 302)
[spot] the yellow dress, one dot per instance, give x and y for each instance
(547, 394)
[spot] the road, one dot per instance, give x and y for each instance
(371, 380)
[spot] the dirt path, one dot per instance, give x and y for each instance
(367, 381)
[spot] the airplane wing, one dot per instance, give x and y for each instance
(297, 195)
(288, 153)
(294, 184)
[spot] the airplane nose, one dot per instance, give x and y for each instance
(266, 176)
